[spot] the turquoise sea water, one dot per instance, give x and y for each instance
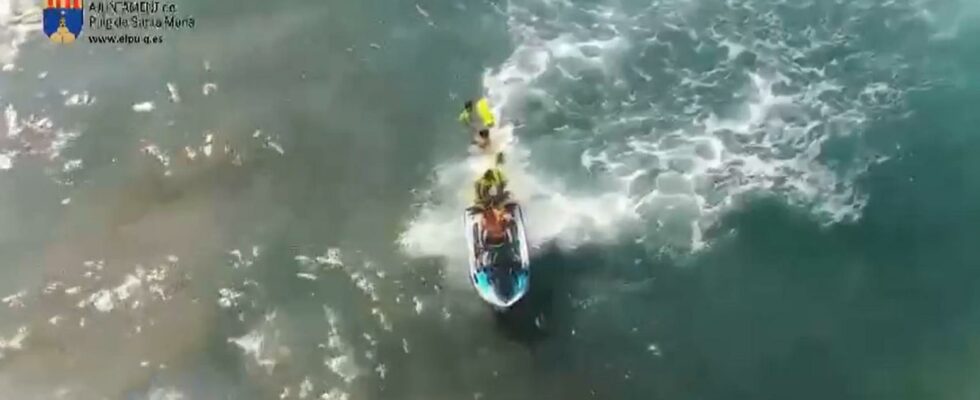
(729, 200)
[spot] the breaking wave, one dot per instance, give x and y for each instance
(676, 111)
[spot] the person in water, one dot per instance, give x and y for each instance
(478, 117)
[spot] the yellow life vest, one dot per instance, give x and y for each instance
(484, 116)
(483, 110)
(485, 184)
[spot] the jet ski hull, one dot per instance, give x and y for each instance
(500, 274)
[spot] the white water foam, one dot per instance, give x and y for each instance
(35, 136)
(553, 214)
(261, 344)
(677, 141)
(165, 394)
(14, 342)
(343, 359)
(145, 106)
(18, 20)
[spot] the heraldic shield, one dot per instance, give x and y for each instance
(63, 20)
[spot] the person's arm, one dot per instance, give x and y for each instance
(478, 189)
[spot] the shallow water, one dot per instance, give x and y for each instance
(728, 200)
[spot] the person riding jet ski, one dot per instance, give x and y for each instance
(494, 229)
(494, 205)
(496, 223)
(491, 187)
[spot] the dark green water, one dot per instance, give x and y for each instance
(739, 200)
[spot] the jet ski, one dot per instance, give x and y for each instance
(500, 270)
